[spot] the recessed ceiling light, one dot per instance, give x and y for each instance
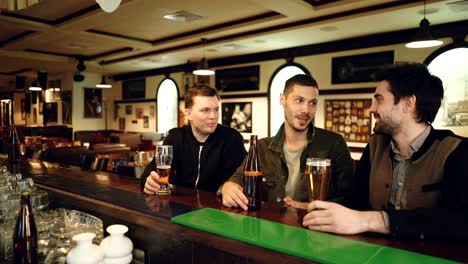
(182, 16)
(328, 28)
(76, 46)
(231, 46)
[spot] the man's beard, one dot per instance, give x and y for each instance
(389, 128)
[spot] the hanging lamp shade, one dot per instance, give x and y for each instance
(103, 83)
(35, 86)
(424, 38)
(108, 6)
(203, 69)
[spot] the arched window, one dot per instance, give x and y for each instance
(450, 64)
(281, 75)
(167, 101)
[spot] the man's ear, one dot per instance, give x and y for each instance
(187, 113)
(282, 99)
(409, 103)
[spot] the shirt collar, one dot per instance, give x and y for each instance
(278, 140)
(415, 145)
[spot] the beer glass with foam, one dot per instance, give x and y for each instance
(163, 157)
(317, 176)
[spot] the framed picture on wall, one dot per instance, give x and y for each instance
(134, 89)
(23, 109)
(51, 116)
(238, 79)
(350, 118)
(152, 111)
(116, 111)
(237, 115)
(359, 68)
(67, 107)
(128, 109)
(92, 103)
(145, 122)
(122, 123)
(139, 112)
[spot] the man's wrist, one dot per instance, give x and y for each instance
(376, 222)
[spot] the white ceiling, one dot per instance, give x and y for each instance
(135, 37)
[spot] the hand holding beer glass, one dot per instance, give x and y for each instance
(317, 174)
(163, 158)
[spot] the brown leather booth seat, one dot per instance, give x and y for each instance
(130, 139)
(46, 131)
(94, 136)
(87, 157)
(66, 155)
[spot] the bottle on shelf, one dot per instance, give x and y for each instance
(13, 153)
(253, 176)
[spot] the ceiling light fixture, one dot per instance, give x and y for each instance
(423, 38)
(202, 68)
(109, 6)
(35, 86)
(103, 83)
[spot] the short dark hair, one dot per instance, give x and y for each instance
(414, 79)
(299, 79)
(198, 90)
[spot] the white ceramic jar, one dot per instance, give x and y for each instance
(85, 251)
(117, 248)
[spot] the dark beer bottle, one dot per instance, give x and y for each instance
(253, 176)
(25, 235)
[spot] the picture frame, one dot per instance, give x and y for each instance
(67, 107)
(116, 111)
(237, 115)
(350, 118)
(51, 110)
(122, 123)
(145, 122)
(128, 109)
(152, 111)
(238, 79)
(34, 115)
(23, 109)
(348, 94)
(139, 112)
(92, 103)
(359, 68)
(134, 89)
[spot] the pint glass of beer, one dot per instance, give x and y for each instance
(317, 176)
(163, 157)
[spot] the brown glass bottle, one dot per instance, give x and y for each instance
(253, 176)
(25, 235)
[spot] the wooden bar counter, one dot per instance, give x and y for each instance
(118, 200)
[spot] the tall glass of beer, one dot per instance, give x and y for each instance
(163, 157)
(317, 176)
